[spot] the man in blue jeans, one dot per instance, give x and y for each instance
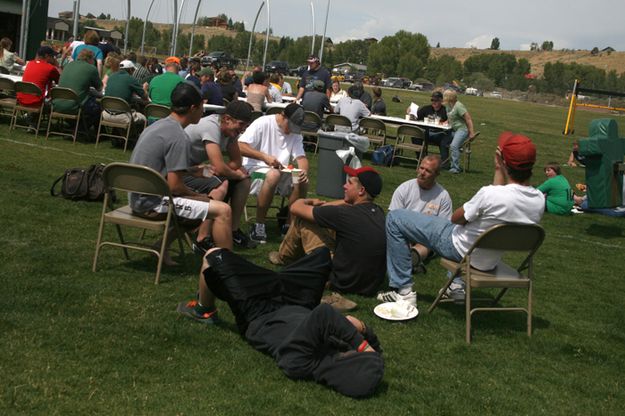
(510, 198)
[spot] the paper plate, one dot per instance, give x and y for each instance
(383, 311)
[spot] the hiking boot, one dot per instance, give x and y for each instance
(339, 302)
(274, 258)
(201, 247)
(188, 309)
(394, 296)
(241, 240)
(258, 233)
(456, 292)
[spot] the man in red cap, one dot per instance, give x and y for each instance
(353, 228)
(509, 199)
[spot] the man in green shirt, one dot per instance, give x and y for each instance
(161, 86)
(122, 85)
(81, 75)
(558, 193)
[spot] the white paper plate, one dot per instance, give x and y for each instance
(383, 310)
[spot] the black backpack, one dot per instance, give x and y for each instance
(81, 184)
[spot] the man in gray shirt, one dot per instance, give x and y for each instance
(351, 107)
(210, 138)
(165, 147)
(423, 195)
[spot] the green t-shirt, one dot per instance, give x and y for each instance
(122, 85)
(455, 116)
(558, 194)
(79, 76)
(162, 86)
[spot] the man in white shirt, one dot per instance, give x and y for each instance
(268, 146)
(509, 199)
(423, 195)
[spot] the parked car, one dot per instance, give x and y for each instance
(219, 59)
(277, 66)
(298, 71)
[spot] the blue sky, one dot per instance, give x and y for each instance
(453, 23)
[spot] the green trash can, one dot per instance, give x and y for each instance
(330, 175)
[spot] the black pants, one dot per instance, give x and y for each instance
(279, 314)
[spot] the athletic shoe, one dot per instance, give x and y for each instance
(201, 247)
(274, 258)
(284, 229)
(339, 302)
(258, 233)
(394, 296)
(417, 263)
(455, 171)
(241, 240)
(455, 291)
(188, 309)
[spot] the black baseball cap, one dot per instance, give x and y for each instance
(240, 110)
(185, 95)
(368, 177)
(295, 114)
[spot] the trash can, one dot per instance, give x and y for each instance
(330, 175)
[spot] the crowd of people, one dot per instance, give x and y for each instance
(213, 162)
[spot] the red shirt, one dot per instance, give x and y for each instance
(40, 73)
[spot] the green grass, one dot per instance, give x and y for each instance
(77, 342)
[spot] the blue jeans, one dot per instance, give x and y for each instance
(460, 136)
(405, 227)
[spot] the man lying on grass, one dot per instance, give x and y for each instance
(279, 314)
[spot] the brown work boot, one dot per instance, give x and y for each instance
(274, 258)
(338, 302)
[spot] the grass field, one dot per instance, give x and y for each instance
(77, 342)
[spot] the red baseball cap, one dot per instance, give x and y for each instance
(368, 177)
(517, 150)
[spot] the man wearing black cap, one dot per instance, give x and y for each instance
(269, 145)
(440, 138)
(314, 72)
(165, 147)
(41, 71)
(210, 138)
(279, 314)
(353, 228)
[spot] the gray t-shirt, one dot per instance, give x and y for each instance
(164, 147)
(207, 130)
(435, 201)
(353, 109)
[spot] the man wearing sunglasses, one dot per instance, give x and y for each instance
(440, 138)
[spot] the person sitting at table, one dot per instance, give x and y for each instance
(317, 101)
(42, 72)
(161, 86)
(192, 75)
(352, 108)
(461, 124)
(275, 90)
(337, 92)
(122, 84)
(379, 106)
(92, 40)
(269, 145)
(211, 92)
(285, 86)
(279, 314)
(365, 97)
(8, 58)
(441, 138)
(257, 91)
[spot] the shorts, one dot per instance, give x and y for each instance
(284, 188)
(201, 184)
(189, 209)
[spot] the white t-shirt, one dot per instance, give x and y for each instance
(492, 205)
(264, 135)
(434, 201)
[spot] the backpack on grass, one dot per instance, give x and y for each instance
(81, 184)
(383, 155)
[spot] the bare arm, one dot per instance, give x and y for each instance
(303, 208)
(300, 93)
(248, 151)
(469, 121)
(178, 188)
(458, 216)
(220, 167)
(501, 176)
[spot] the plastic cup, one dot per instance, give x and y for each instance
(295, 175)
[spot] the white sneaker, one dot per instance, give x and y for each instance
(393, 296)
(455, 291)
(258, 233)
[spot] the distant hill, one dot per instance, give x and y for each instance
(538, 59)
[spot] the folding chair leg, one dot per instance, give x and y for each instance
(500, 295)
(440, 295)
(121, 240)
(467, 310)
(49, 125)
(529, 310)
(161, 254)
(76, 127)
(97, 245)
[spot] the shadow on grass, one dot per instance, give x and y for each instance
(604, 231)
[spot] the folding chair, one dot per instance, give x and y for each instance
(375, 130)
(7, 97)
(64, 94)
(274, 110)
(155, 112)
(333, 120)
(32, 89)
(405, 134)
(126, 177)
(312, 124)
(116, 106)
(466, 152)
(504, 237)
